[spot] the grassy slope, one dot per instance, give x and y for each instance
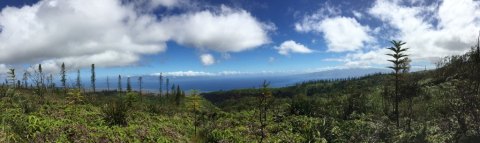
(321, 111)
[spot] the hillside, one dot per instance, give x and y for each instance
(440, 105)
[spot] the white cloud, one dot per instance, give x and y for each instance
(291, 46)
(111, 33)
(207, 59)
(168, 3)
(226, 30)
(357, 14)
(308, 21)
(188, 73)
(341, 34)
(103, 32)
(431, 31)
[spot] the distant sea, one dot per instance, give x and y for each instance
(226, 82)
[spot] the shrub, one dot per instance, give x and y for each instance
(130, 98)
(75, 96)
(115, 113)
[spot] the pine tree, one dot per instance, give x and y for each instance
(25, 79)
(119, 83)
(166, 87)
(195, 106)
(63, 77)
(160, 80)
(140, 85)
(129, 86)
(79, 82)
(41, 76)
(399, 64)
(173, 90)
(11, 77)
(264, 101)
(178, 95)
(93, 78)
(108, 84)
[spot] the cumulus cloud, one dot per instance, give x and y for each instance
(227, 30)
(112, 33)
(341, 34)
(291, 46)
(207, 59)
(431, 31)
(103, 32)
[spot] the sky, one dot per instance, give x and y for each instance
(227, 37)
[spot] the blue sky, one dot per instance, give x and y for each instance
(187, 37)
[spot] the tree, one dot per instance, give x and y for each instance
(41, 74)
(264, 98)
(195, 101)
(173, 90)
(63, 77)
(119, 83)
(178, 95)
(79, 82)
(93, 78)
(50, 83)
(140, 85)
(37, 77)
(129, 86)
(166, 87)
(160, 80)
(108, 84)
(25, 79)
(399, 65)
(11, 77)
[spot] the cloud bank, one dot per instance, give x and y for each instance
(111, 33)
(432, 30)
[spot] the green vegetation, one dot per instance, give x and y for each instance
(440, 105)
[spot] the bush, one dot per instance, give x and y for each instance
(75, 96)
(130, 98)
(115, 113)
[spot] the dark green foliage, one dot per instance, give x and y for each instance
(115, 113)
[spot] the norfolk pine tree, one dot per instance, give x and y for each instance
(119, 83)
(78, 82)
(129, 86)
(63, 78)
(93, 78)
(399, 62)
